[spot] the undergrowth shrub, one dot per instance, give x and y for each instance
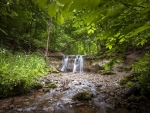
(143, 68)
(18, 72)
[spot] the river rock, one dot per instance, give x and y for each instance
(112, 93)
(50, 109)
(76, 82)
(112, 101)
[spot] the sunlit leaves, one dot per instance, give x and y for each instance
(140, 29)
(41, 3)
(93, 3)
(59, 18)
(78, 5)
(19, 68)
(91, 28)
(67, 6)
(52, 9)
(64, 1)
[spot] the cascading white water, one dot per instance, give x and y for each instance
(81, 63)
(65, 63)
(73, 62)
(75, 65)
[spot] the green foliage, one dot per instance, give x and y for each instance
(133, 98)
(112, 62)
(51, 9)
(125, 68)
(142, 67)
(18, 73)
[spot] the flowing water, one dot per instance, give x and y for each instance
(73, 63)
(65, 63)
(59, 100)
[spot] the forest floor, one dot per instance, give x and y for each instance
(107, 94)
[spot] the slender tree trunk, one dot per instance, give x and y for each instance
(49, 26)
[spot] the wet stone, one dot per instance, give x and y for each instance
(26, 103)
(50, 109)
(19, 109)
(47, 81)
(112, 94)
(98, 85)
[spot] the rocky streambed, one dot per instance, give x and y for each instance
(106, 96)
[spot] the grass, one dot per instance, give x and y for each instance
(19, 72)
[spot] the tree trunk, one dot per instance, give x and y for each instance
(49, 26)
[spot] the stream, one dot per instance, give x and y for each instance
(105, 91)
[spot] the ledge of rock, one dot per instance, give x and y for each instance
(56, 55)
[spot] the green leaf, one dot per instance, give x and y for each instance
(142, 42)
(90, 31)
(140, 29)
(109, 46)
(59, 18)
(52, 9)
(64, 1)
(3, 31)
(67, 6)
(42, 3)
(122, 40)
(78, 5)
(93, 3)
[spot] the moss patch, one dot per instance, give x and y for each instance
(52, 85)
(46, 90)
(105, 72)
(128, 80)
(133, 98)
(123, 81)
(82, 96)
(126, 69)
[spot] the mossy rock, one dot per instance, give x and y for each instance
(82, 96)
(132, 98)
(38, 85)
(128, 80)
(46, 90)
(52, 85)
(105, 72)
(126, 69)
(129, 84)
(123, 81)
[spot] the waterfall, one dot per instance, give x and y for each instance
(65, 63)
(81, 63)
(73, 62)
(75, 65)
